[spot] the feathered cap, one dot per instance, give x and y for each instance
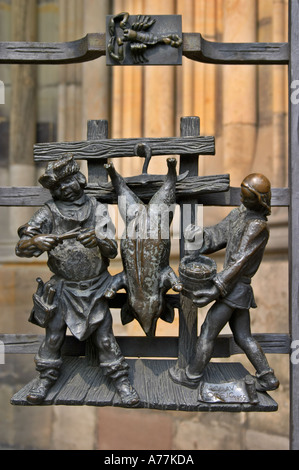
(56, 171)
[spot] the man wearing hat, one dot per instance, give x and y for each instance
(76, 232)
(244, 233)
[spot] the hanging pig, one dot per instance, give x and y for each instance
(145, 251)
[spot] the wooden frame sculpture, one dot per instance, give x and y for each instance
(162, 393)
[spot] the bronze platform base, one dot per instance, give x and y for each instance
(82, 384)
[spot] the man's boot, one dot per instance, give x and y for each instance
(39, 391)
(117, 371)
(49, 372)
(266, 381)
(184, 377)
(126, 392)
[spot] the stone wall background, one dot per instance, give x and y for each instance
(245, 107)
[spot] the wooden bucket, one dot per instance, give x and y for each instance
(196, 275)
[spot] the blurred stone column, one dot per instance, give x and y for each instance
(206, 88)
(70, 88)
(117, 84)
(127, 96)
(23, 108)
(279, 122)
(208, 126)
(279, 101)
(263, 161)
(159, 100)
(239, 93)
(96, 77)
(185, 75)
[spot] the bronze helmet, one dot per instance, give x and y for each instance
(258, 186)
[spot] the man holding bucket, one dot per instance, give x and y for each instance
(244, 233)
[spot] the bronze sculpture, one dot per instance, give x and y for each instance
(137, 35)
(70, 229)
(244, 233)
(231, 53)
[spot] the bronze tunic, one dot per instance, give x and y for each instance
(80, 274)
(244, 234)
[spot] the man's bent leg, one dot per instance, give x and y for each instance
(217, 317)
(48, 360)
(113, 363)
(240, 326)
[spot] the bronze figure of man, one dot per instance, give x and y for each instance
(70, 229)
(244, 234)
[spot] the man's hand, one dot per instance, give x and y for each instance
(88, 239)
(193, 239)
(37, 245)
(205, 296)
(45, 242)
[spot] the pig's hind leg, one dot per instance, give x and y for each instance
(127, 199)
(169, 280)
(166, 194)
(118, 282)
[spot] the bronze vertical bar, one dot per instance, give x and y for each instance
(294, 218)
(97, 130)
(190, 126)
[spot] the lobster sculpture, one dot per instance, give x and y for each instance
(137, 36)
(145, 252)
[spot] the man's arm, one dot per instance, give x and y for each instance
(36, 245)
(35, 237)
(253, 242)
(206, 240)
